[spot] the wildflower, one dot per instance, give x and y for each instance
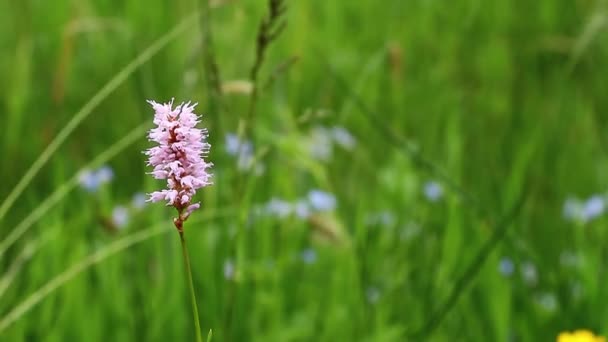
(139, 201)
(302, 209)
(321, 200)
(322, 141)
(433, 191)
(572, 208)
(321, 144)
(88, 180)
(547, 301)
(91, 180)
(309, 256)
(232, 144)
(245, 157)
(506, 267)
(229, 269)
(382, 218)
(105, 174)
(243, 150)
(343, 137)
(120, 216)
(178, 158)
(278, 207)
(386, 218)
(576, 210)
(529, 273)
(579, 336)
(593, 208)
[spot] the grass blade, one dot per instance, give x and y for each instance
(17, 264)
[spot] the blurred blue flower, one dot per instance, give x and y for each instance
(120, 216)
(244, 152)
(321, 200)
(572, 208)
(321, 144)
(139, 200)
(229, 269)
(232, 144)
(576, 210)
(308, 256)
(593, 208)
(88, 180)
(433, 191)
(529, 273)
(302, 209)
(278, 207)
(343, 137)
(506, 267)
(381, 218)
(547, 301)
(245, 157)
(91, 180)
(105, 174)
(322, 139)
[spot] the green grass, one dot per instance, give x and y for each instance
(502, 102)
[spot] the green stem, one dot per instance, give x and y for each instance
(199, 337)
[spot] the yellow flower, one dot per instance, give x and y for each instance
(579, 336)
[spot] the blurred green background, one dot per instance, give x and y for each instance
(415, 170)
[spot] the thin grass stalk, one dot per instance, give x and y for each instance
(17, 264)
(270, 28)
(212, 72)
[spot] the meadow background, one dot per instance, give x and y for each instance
(413, 170)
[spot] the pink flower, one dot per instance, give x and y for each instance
(179, 157)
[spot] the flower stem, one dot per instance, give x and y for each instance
(199, 337)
